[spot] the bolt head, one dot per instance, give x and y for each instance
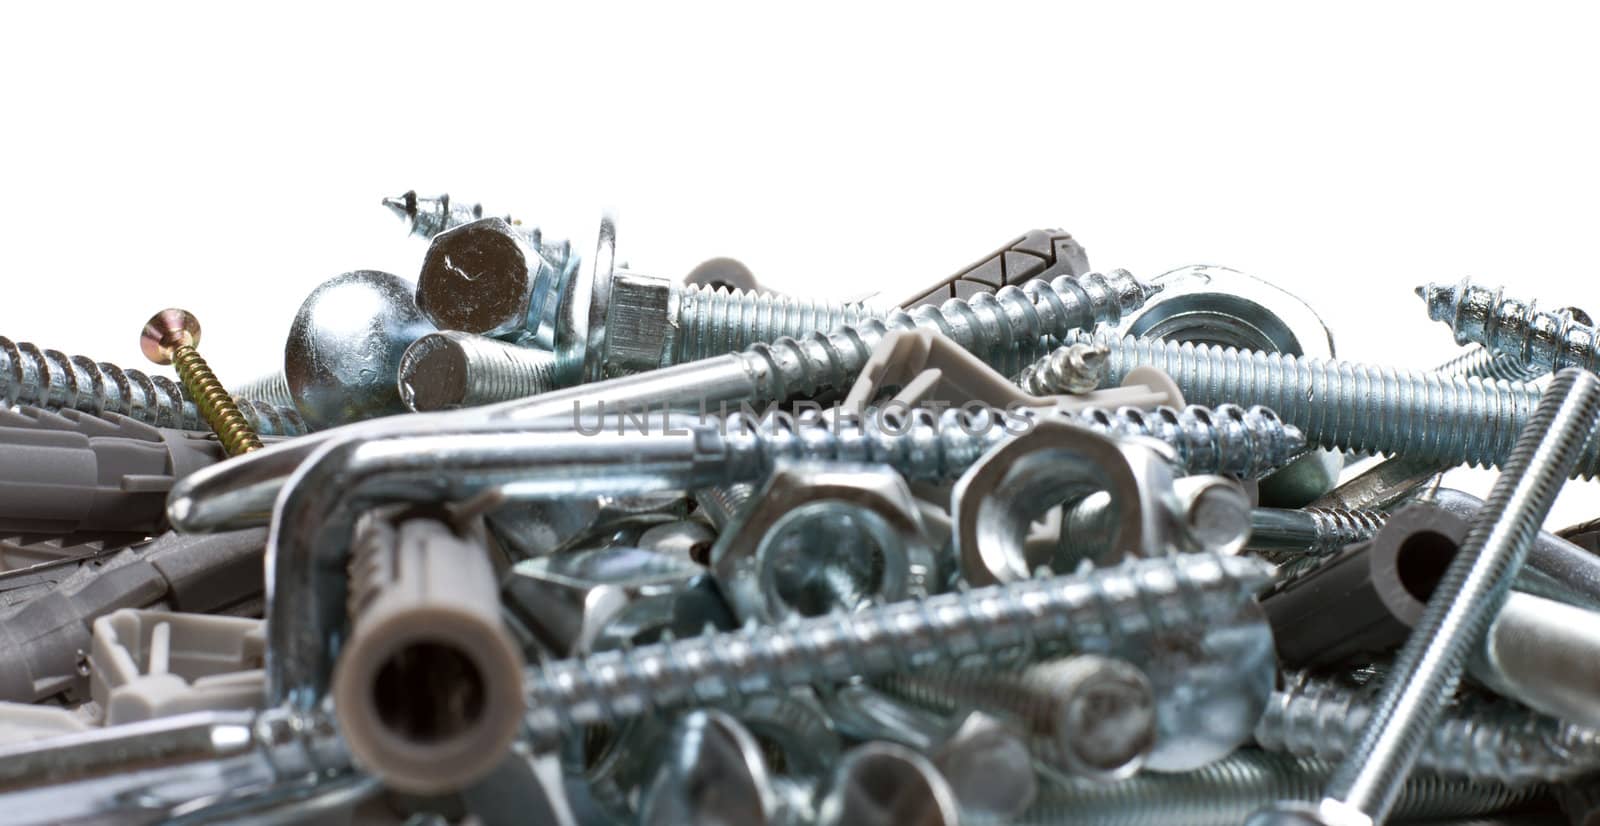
(485, 277)
(166, 331)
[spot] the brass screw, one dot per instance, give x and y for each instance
(170, 337)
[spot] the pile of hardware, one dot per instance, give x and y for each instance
(541, 539)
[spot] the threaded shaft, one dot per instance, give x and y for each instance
(214, 403)
(1284, 534)
(721, 504)
(51, 380)
(272, 388)
(713, 321)
(1541, 340)
(451, 369)
(1226, 792)
(1429, 665)
(1075, 612)
(1076, 368)
(1497, 740)
(1228, 440)
(1005, 329)
(1480, 361)
(1426, 416)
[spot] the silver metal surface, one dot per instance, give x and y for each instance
(493, 279)
(1539, 339)
(451, 369)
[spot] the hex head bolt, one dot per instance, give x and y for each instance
(1069, 612)
(430, 216)
(1539, 339)
(170, 337)
(1089, 715)
(1338, 404)
(52, 380)
(1364, 787)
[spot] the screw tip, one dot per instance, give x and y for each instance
(404, 206)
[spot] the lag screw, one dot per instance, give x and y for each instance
(171, 337)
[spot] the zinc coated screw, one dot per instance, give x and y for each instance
(451, 369)
(52, 380)
(1542, 340)
(1093, 608)
(1480, 361)
(1290, 533)
(1427, 416)
(272, 388)
(721, 504)
(1429, 665)
(1227, 791)
(1496, 741)
(172, 336)
(431, 216)
(1075, 368)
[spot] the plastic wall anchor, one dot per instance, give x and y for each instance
(149, 664)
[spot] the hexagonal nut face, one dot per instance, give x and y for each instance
(822, 537)
(573, 602)
(485, 277)
(637, 332)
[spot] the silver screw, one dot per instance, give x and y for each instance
(1540, 339)
(1480, 361)
(1429, 666)
(1338, 404)
(1281, 534)
(1076, 368)
(1140, 596)
(1090, 715)
(1492, 741)
(451, 369)
(1227, 791)
(430, 216)
(52, 380)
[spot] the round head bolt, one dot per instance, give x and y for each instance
(883, 784)
(345, 346)
(490, 278)
(165, 332)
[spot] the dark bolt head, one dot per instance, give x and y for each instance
(166, 331)
(483, 277)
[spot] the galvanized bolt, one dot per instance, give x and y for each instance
(171, 337)
(1542, 340)
(1145, 595)
(451, 369)
(1429, 666)
(51, 380)
(1431, 416)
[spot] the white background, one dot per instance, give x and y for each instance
(228, 161)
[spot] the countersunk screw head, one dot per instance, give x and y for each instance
(167, 331)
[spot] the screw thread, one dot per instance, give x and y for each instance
(1426, 416)
(1541, 340)
(1228, 440)
(1309, 534)
(214, 403)
(1076, 368)
(1095, 608)
(1003, 328)
(722, 503)
(450, 369)
(1481, 740)
(1429, 665)
(1480, 361)
(52, 380)
(272, 389)
(713, 321)
(1226, 792)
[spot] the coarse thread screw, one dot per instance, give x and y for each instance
(1428, 416)
(1088, 715)
(722, 503)
(1429, 665)
(1480, 361)
(1228, 440)
(431, 216)
(272, 388)
(52, 380)
(1075, 368)
(986, 624)
(452, 369)
(1285, 534)
(1539, 339)
(1227, 791)
(710, 321)
(1484, 740)
(172, 336)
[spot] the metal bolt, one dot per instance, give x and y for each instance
(431, 216)
(51, 380)
(1076, 368)
(1541, 340)
(491, 278)
(451, 369)
(1139, 596)
(1281, 534)
(1494, 741)
(1091, 716)
(171, 337)
(1440, 418)
(1227, 791)
(1474, 587)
